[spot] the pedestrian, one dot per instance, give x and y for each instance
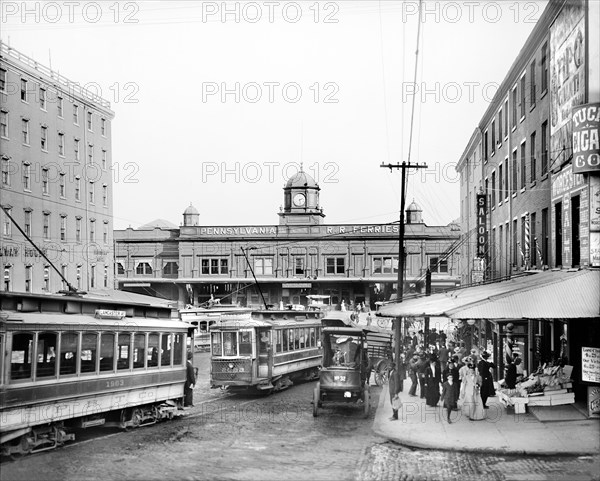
(422, 367)
(413, 369)
(190, 382)
(472, 406)
(449, 395)
(443, 355)
(433, 377)
(487, 383)
(394, 388)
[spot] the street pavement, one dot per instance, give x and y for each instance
(501, 432)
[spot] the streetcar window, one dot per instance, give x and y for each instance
(89, 348)
(302, 342)
(245, 343)
(68, 352)
(165, 357)
(278, 341)
(230, 343)
(284, 340)
(107, 351)
(217, 347)
(123, 352)
(20, 361)
(46, 354)
(153, 349)
(312, 340)
(291, 334)
(178, 348)
(139, 350)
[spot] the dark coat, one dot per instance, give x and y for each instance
(511, 376)
(449, 395)
(487, 381)
(432, 384)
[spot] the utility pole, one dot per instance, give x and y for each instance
(400, 290)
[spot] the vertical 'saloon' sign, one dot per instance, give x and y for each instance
(481, 225)
(586, 150)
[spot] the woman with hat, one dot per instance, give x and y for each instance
(433, 379)
(472, 407)
(487, 383)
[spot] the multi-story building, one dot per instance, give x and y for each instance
(298, 257)
(55, 150)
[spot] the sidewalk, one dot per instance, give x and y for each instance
(421, 426)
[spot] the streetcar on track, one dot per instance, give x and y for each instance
(267, 352)
(76, 361)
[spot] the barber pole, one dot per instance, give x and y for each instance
(527, 249)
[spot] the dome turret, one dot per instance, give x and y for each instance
(191, 216)
(414, 214)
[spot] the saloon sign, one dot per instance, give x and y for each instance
(481, 225)
(586, 148)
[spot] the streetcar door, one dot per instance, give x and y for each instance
(265, 352)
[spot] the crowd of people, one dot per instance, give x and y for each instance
(445, 372)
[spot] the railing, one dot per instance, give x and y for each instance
(72, 87)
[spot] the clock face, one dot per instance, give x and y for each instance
(299, 200)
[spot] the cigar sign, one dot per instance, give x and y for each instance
(481, 225)
(586, 148)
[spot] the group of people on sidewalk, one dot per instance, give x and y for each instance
(445, 374)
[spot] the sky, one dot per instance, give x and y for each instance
(218, 103)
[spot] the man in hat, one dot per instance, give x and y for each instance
(433, 376)
(190, 381)
(443, 355)
(394, 388)
(487, 381)
(413, 369)
(449, 395)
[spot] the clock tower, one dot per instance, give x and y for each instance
(301, 201)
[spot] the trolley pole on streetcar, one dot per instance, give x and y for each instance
(254, 276)
(401, 252)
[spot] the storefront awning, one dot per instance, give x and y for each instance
(536, 295)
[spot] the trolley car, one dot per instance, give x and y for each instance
(202, 319)
(267, 352)
(81, 361)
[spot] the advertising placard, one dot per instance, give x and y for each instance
(586, 147)
(590, 364)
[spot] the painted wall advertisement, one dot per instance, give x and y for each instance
(590, 364)
(567, 80)
(586, 148)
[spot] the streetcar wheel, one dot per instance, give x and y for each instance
(366, 402)
(137, 417)
(316, 401)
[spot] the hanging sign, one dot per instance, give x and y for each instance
(481, 225)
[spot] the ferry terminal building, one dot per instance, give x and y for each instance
(298, 257)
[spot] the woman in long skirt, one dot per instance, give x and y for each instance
(472, 406)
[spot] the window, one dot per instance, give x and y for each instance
(105, 276)
(78, 229)
(91, 193)
(170, 268)
(43, 138)
(103, 159)
(143, 268)
(385, 265)
(544, 68)
(514, 171)
(46, 355)
(63, 227)
(499, 126)
(532, 92)
(105, 195)
(522, 104)
(107, 351)
(76, 149)
(493, 188)
(89, 350)
(263, 266)
(46, 284)
(514, 107)
(215, 266)
(28, 279)
(166, 349)
(42, 98)
(89, 121)
(7, 277)
(93, 276)
(6, 224)
(544, 148)
(21, 355)
(3, 124)
(62, 187)
(59, 105)
(506, 118)
(5, 171)
(523, 169)
(123, 350)
(438, 265)
(139, 350)
(152, 355)
(25, 131)
(26, 176)
(61, 144)
(78, 188)
(230, 344)
(103, 127)
(76, 114)
(335, 265)
(105, 232)
(532, 156)
(92, 230)
(299, 266)
(500, 183)
(46, 225)
(90, 154)
(245, 343)
(120, 269)
(506, 179)
(27, 223)
(485, 146)
(2, 80)
(45, 186)
(493, 136)
(24, 90)
(68, 353)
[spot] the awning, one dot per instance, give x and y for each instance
(536, 295)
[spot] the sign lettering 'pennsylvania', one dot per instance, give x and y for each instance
(275, 230)
(586, 146)
(481, 225)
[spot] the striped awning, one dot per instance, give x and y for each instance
(558, 294)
